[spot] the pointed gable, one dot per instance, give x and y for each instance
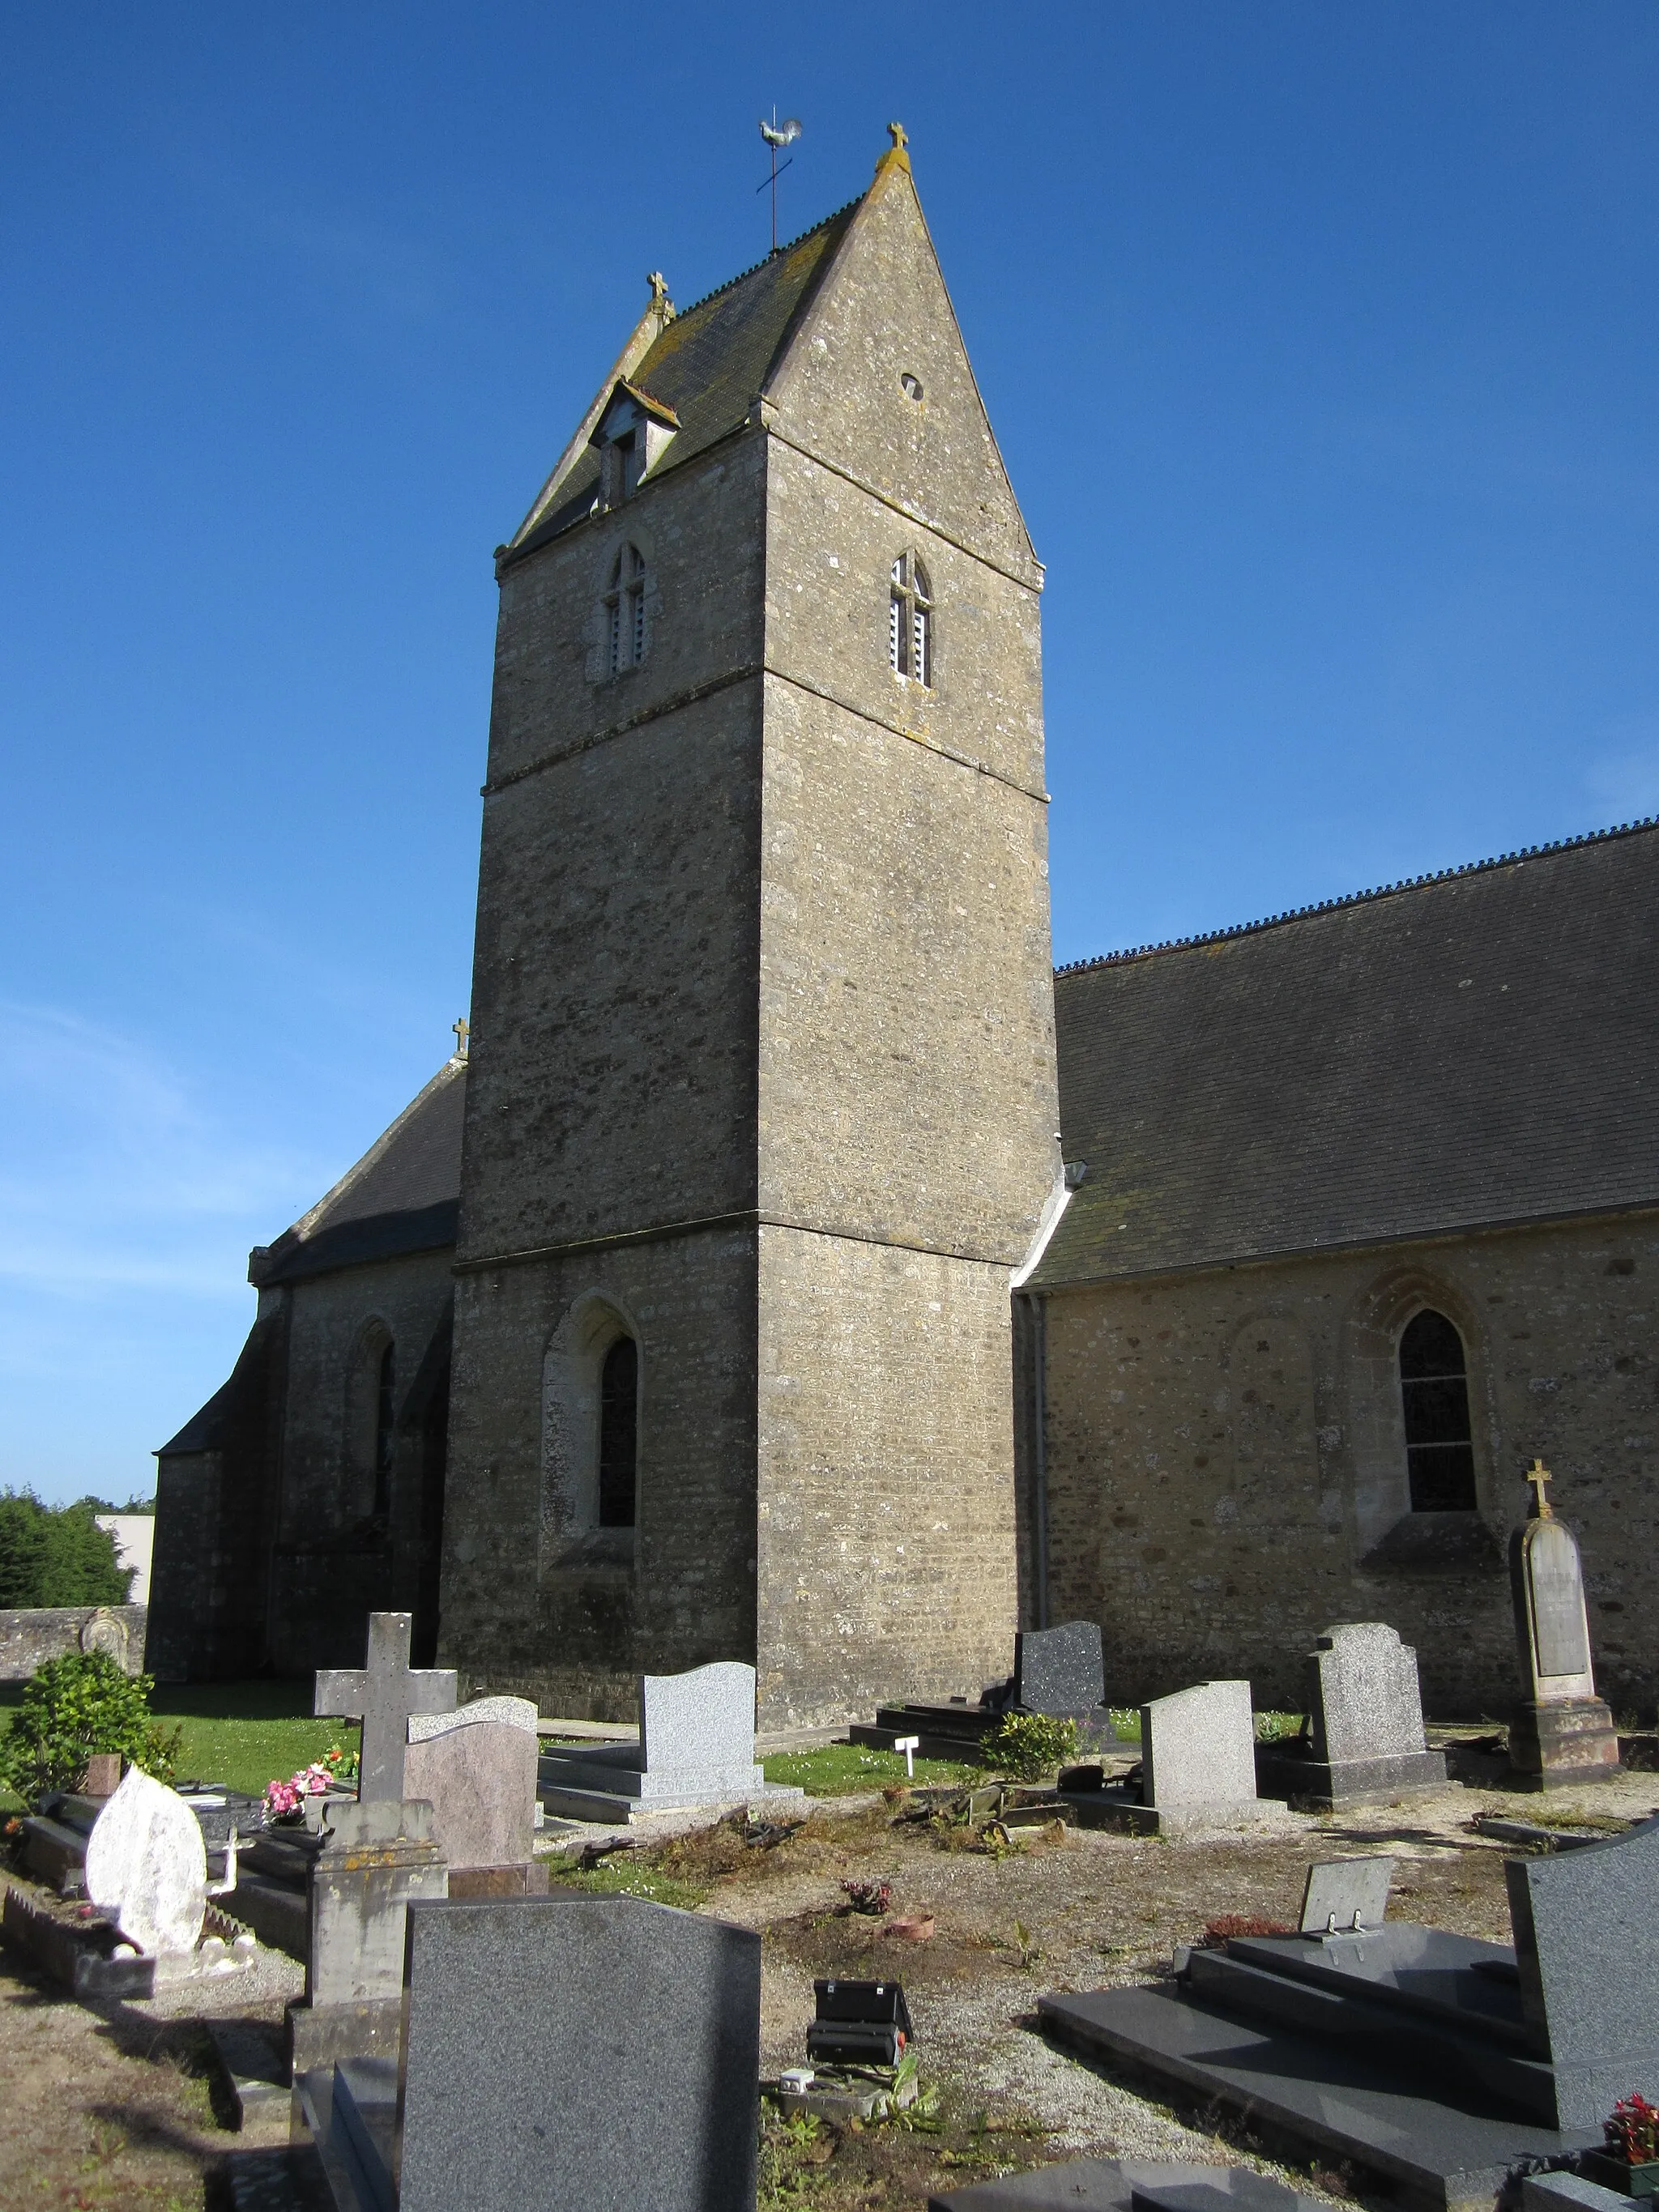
(705, 369)
(876, 379)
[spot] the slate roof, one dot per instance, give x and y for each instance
(404, 1195)
(711, 363)
(1470, 1050)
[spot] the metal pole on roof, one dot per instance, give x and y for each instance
(777, 134)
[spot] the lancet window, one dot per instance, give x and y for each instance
(910, 621)
(1434, 1393)
(619, 1434)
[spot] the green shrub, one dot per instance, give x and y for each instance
(57, 1554)
(1028, 1746)
(72, 1707)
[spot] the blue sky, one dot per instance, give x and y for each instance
(1320, 342)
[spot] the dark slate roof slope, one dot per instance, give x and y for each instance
(1472, 1049)
(404, 1195)
(712, 362)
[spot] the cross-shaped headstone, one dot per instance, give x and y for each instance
(382, 1695)
(1538, 1474)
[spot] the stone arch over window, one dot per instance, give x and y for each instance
(622, 609)
(1434, 1396)
(592, 1383)
(371, 1422)
(1370, 1442)
(910, 641)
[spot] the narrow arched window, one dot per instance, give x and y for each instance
(385, 1399)
(910, 621)
(624, 611)
(1434, 1392)
(619, 1434)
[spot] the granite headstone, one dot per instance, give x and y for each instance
(1561, 1733)
(476, 1767)
(600, 2051)
(1365, 1713)
(1198, 1753)
(696, 1746)
(1059, 1670)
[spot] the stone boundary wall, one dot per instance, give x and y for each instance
(30, 1637)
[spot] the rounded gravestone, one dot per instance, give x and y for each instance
(104, 1632)
(147, 1866)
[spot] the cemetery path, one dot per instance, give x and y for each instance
(113, 2107)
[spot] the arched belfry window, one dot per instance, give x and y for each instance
(619, 1434)
(624, 611)
(910, 621)
(1434, 1393)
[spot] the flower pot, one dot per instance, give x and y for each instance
(1613, 2173)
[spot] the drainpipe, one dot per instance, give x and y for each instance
(1037, 1308)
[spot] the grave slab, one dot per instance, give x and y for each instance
(1116, 2185)
(695, 1747)
(1436, 2156)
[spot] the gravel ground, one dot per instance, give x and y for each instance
(114, 2107)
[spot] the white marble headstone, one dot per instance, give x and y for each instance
(147, 1866)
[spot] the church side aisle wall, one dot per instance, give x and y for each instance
(1226, 1462)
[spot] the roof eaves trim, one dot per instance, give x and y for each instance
(1358, 898)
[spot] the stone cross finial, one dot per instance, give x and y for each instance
(1538, 1474)
(659, 284)
(900, 137)
(463, 1029)
(383, 1695)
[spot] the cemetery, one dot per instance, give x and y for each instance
(1213, 1957)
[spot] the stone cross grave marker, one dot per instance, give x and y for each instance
(1059, 1670)
(147, 1866)
(384, 1695)
(1563, 1733)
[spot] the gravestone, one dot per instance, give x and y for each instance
(1345, 1893)
(1562, 1734)
(1442, 2063)
(146, 1865)
(696, 1746)
(384, 1694)
(373, 1862)
(476, 1767)
(1059, 1670)
(1198, 1756)
(1365, 1737)
(599, 2051)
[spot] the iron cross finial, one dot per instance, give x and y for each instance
(463, 1031)
(1538, 1474)
(900, 137)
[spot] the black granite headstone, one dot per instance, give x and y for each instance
(1059, 1670)
(594, 2050)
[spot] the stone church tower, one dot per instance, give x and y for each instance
(761, 1106)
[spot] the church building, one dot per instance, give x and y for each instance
(791, 1266)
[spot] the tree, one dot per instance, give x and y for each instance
(57, 1555)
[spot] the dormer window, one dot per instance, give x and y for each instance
(632, 434)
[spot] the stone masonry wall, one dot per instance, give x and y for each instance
(29, 1636)
(1227, 1466)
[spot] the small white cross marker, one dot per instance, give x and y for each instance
(910, 1745)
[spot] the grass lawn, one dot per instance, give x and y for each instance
(839, 1770)
(240, 1733)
